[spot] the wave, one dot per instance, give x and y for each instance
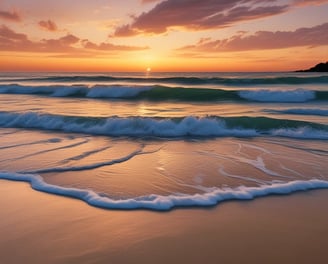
(211, 197)
(189, 126)
(298, 95)
(163, 93)
(96, 91)
(300, 111)
(186, 80)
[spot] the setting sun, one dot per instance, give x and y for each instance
(109, 36)
(212, 112)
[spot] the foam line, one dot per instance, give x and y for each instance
(87, 154)
(298, 95)
(90, 166)
(96, 91)
(165, 203)
(165, 93)
(188, 126)
(260, 182)
(47, 151)
(303, 132)
(259, 164)
(255, 147)
(30, 143)
(94, 165)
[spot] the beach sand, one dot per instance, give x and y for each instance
(37, 227)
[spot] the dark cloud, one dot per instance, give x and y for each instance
(315, 36)
(199, 15)
(69, 44)
(10, 16)
(48, 25)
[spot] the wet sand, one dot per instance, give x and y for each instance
(41, 228)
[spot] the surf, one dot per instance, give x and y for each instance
(188, 126)
(164, 93)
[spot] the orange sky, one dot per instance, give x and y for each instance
(171, 35)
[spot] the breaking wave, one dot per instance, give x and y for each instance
(189, 126)
(301, 111)
(163, 93)
(298, 95)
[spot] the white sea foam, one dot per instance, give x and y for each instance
(303, 132)
(188, 126)
(259, 164)
(96, 91)
(163, 203)
(136, 126)
(298, 95)
(244, 178)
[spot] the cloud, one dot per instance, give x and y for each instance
(69, 45)
(261, 40)
(109, 46)
(48, 25)
(310, 2)
(149, 1)
(125, 31)
(63, 44)
(12, 41)
(10, 16)
(199, 15)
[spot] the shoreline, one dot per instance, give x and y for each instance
(161, 203)
(40, 228)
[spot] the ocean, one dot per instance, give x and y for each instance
(163, 141)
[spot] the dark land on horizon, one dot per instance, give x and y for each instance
(321, 67)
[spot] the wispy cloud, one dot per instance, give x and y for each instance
(19, 42)
(105, 46)
(48, 25)
(199, 15)
(68, 45)
(149, 1)
(310, 2)
(261, 40)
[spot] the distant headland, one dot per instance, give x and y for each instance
(321, 67)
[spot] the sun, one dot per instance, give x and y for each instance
(148, 69)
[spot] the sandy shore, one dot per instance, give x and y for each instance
(41, 228)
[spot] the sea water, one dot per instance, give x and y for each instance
(164, 140)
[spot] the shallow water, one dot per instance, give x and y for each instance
(130, 141)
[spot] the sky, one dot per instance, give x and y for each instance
(162, 35)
